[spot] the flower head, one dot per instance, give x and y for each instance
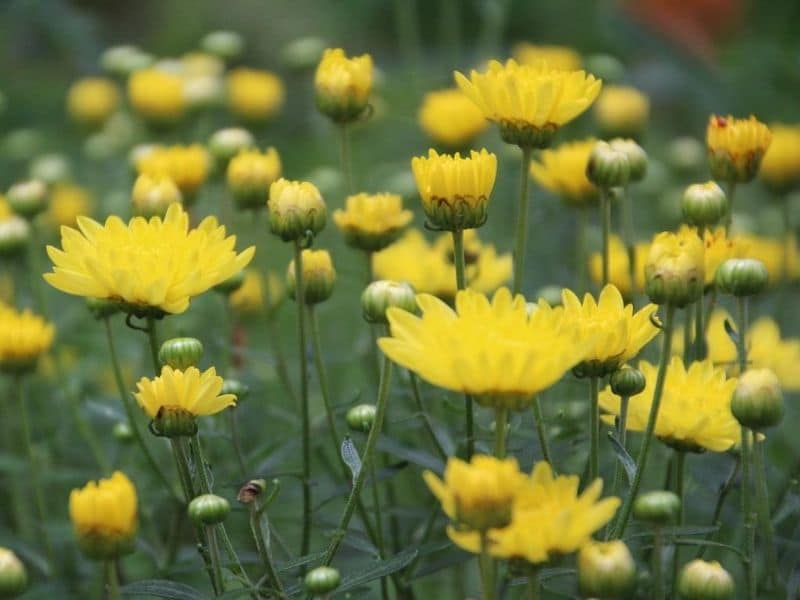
(675, 268)
(295, 207)
(562, 171)
(372, 221)
(563, 58)
(187, 166)
(68, 202)
(104, 516)
(622, 111)
(258, 292)
(24, 337)
(780, 167)
(695, 412)
(318, 276)
(626, 279)
(156, 265)
(736, 147)
(157, 95)
(152, 195)
(254, 95)
(249, 175)
(449, 118)
(343, 84)
(92, 101)
(529, 103)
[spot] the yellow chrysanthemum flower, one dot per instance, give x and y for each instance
(187, 166)
(563, 58)
(318, 276)
(477, 494)
(24, 337)
(492, 350)
(451, 119)
(249, 175)
(149, 266)
(104, 516)
(695, 411)
(719, 248)
(622, 111)
(254, 95)
(372, 221)
(157, 95)
(619, 266)
(454, 190)
(68, 202)
(736, 147)
(257, 292)
(562, 171)
(191, 391)
(618, 333)
(93, 100)
(780, 167)
(343, 84)
(675, 268)
(529, 103)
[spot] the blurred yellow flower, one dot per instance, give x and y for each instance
(149, 266)
(780, 167)
(68, 202)
(254, 95)
(492, 350)
(104, 516)
(719, 248)
(197, 64)
(736, 147)
(619, 266)
(562, 58)
(191, 391)
(157, 96)
(257, 291)
(529, 103)
(622, 111)
(187, 166)
(343, 84)
(372, 221)
(562, 171)
(91, 101)
(695, 412)
(24, 337)
(449, 118)
(249, 175)
(779, 256)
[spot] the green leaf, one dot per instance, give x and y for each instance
(729, 329)
(350, 457)
(300, 561)
(381, 569)
(412, 455)
(162, 588)
(622, 454)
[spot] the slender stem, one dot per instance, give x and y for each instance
(688, 330)
(680, 473)
(199, 464)
(724, 491)
(19, 506)
(500, 431)
(741, 338)
(533, 586)
(216, 562)
(366, 461)
(762, 504)
(233, 422)
(347, 167)
(469, 418)
(605, 218)
(324, 384)
(487, 569)
(594, 429)
(788, 236)
(658, 566)
(522, 222)
(236, 565)
(182, 464)
(700, 349)
(544, 447)
(729, 216)
(622, 434)
(112, 580)
(407, 28)
(152, 336)
(417, 395)
(626, 202)
(747, 515)
(376, 507)
(280, 359)
(260, 535)
(641, 462)
(580, 249)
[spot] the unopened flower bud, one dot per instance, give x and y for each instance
(627, 381)
(13, 576)
(225, 44)
(343, 85)
(173, 421)
(607, 167)
(704, 204)
(675, 268)
(322, 580)
(28, 198)
(50, 169)
(208, 509)
(295, 208)
(742, 277)
(757, 402)
(235, 387)
(606, 570)
(250, 175)
(384, 294)
(226, 143)
(251, 490)
(152, 196)
(303, 52)
(657, 508)
(701, 580)
(181, 353)
(637, 157)
(318, 276)
(361, 417)
(122, 432)
(124, 60)
(14, 234)
(736, 147)
(231, 284)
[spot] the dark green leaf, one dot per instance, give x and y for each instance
(162, 588)
(381, 569)
(731, 331)
(622, 454)
(350, 457)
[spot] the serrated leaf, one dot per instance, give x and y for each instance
(162, 588)
(729, 329)
(350, 457)
(622, 455)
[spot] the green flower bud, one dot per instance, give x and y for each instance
(173, 421)
(526, 136)
(658, 508)
(101, 308)
(235, 387)
(757, 402)
(606, 570)
(13, 576)
(226, 143)
(742, 277)
(637, 157)
(225, 44)
(627, 381)
(231, 284)
(50, 169)
(14, 235)
(122, 432)
(684, 154)
(701, 580)
(361, 417)
(251, 490)
(318, 277)
(608, 167)
(384, 294)
(181, 353)
(704, 204)
(303, 52)
(28, 198)
(295, 208)
(322, 580)
(208, 509)
(675, 269)
(124, 60)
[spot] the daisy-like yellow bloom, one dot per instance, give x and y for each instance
(619, 266)
(695, 412)
(104, 516)
(152, 195)
(157, 96)
(258, 292)
(249, 175)
(719, 248)
(529, 103)
(454, 190)
(780, 167)
(187, 166)
(372, 221)
(736, 147)
(151, 267)
(24, 338)
(618, 333)
(622, 111)
(491, 350)
(562, 171)
(254, 95)
(92, 101)
(563, 58)
(68, 202)
(451, 119)
(343, 84)
(675, 268)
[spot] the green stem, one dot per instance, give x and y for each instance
(347, 167)
(236, 565)
(622, 434)
(417, 395)
(304, 407)
(540, 431)
(580, 249)
(216, 562)
(324, 385)
(182, 464)
(724, 491)
(199, 464)
(605, 218)
(741, 338)
(233, 422)
(680, 471)
(747, 515)
(500, 431)
(487, 569)
(688, 330)
(376, 507)
(658, 566)
(762, 505)
(787, 237)
(700, 350)
(533, 586)
(458, 258)
(21, 517)
(626, 203)
(280, 359)
(641, 462)
(729, 215)
(594, 429)
(261, 539)
(112, 580)
(522, 222)
(152, 337)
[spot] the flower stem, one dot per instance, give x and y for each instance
(417, 395)
(181, 462)
(522, 222)
(700, 350)
(741, 338)
(580, 249)
(762, 504)
(458, 258)
(347, 167)
(680, 464)
(622, 434)
(324, 385)
(641, 462)
(747, 515)
(500, 431)
(626, 203)
(376, 507)
(594, 429)
(729, 215)
(688, 330)
(216, 562)
(112, 580)
(262, 545)
(540, 431)
(233, 422)
(487, 569)
(658, 566)
(605, 218)
(152, 336)
(724, 490)
(533, 586)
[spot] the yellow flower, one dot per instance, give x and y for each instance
(622, 111)
(736, 147)
(343, 84)
(93, 100)
(618, 333)
(529, 103)
(695, 411)
(152, 196)
(491, 350)
(675, 268)
(187, 166)
(454, 190)
(780, 257)
(619, 266)
(562, 171)
(249, 175)
(255, 292)
(477, 495)
(68, 202)
(294, 208)
(372, 221)
(318, 276)
(719, 248)
(562, 58)
(156, 265)
(196, 393)
(449, 118)
(157, 95)
(24, 337)
(780, 167)
(199, 64)
(254, 95)
(103, 516)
